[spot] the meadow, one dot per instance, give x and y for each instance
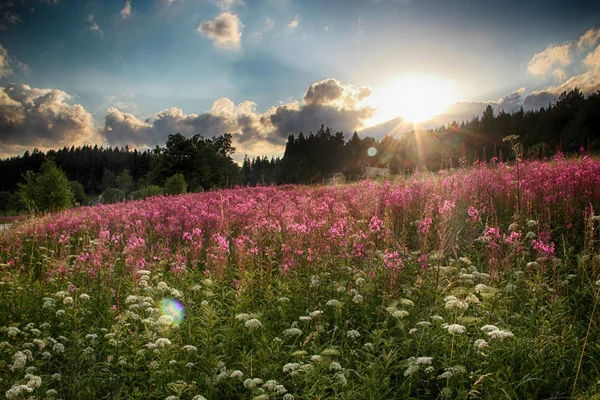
(480, 282)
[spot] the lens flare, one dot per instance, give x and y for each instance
(172, 308)
(372, 151)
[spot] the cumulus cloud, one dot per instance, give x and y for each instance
(94, 27)
(12, 18)
(327, 102)
(589, 39)
(293, 24)
(43, 118)
(127, 10)
(592, 60)
(543, 63)
(224, 30)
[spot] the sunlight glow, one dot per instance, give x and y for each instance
(415, 98)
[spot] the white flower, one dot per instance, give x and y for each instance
(165, 320)
(19, 359)
(12, 331)
(290, 367)
(253, 324)
(176, 293)
(424, 323)
(243, 317)
(172, 397)
(334, 303)
(352, 334)
(236, 374)
(60, 313)
(34, 381)
(330, 352)
(84, 297)
(424, 360)
(532, 223)
(480, 344)
(358, 299)
(288, 396)
(199, 397)
(453, 302)
(51, 392)
(340, 289)
(413, 331)
(456, 328)
(489, 328)
(340, 379)
(56, 377)
(316, 358)
(304, 318)
(283, 299)
(61, 294)
(407, 302)
(68, 300)
(335, 366)
(189, 348)
(360, 281)
(437, 318)
(162, 285)
(400, 314)
(292, 332)
(499, 334)
(58, 348)
(162, 342)
(16, 391)
(315, 313)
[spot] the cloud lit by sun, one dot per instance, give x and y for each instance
(414, 98)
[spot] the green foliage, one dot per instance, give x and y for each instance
(113, 195)
(175, 184)
(48, 190)
(78, 192)
(6, 200)
(146, 191)
(124, 181)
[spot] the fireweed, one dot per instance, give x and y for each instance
(431, 286)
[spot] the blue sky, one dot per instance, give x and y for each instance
(130, 72)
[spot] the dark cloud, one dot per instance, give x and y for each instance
(42, 118)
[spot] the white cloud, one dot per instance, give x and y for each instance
(543, 63)
(94, 27)
(592, 60)
(293, 24)
(227, 5)
(269, 23)
(42, 118)
(12, 18)
(127, 11)
(224, 30)
(589, 39)
(10, 65)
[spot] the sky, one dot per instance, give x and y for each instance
(131, 72)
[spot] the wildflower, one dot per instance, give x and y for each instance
(19, 359)
(84, 297)
(162, 286)
(162, 342)
(399, 314)
(165, 320)
(288, 396)
(352, 334)
(413, 331)
(292, 332)
(68, 300)
(340, 379)
(261, 397)
(316, 358)
(290, 367)
(334, 303)
(51, 392)
(56, 377)
(437, 318)
(34, 381)
(253, 324)
(489, 328)
(243, 317)
(480, 344)
(12, 331)
(304, 318)
(340, 289)
(60, 313)
(424, 323)
(15, 392)
(407, 302)
(283, 299)
(314, 281)
(358, 299)
(456, 328)
(472, 299)
(453, 302)
(58, 348)
(330, 352)
(172, 397)
(499, 334)
(316, 313)
(237, 374)
(61, 294)
(335, 366)
(189, 348)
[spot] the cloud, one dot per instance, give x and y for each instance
(12, 18)
(592, 60)
(42, 118)
(127, 11)
(589, 39)
(227, 5)
(269, 23)
(327, 102)
(10, 65)
(94, 27)
(224, 30)
(293, 24)
(543, 63)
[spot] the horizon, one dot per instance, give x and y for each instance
(120, 73)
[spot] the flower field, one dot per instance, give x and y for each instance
(474, 283)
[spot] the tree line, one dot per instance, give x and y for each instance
(197, 163)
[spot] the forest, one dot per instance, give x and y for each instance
(198, 164)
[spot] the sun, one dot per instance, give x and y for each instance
(414, 98)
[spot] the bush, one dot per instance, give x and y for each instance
(175, 185)
(47, 191)
(146, 191)
(113, 195)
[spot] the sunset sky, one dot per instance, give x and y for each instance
(132, 72)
